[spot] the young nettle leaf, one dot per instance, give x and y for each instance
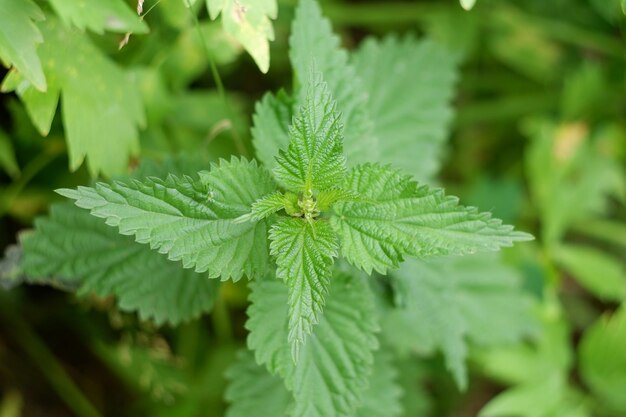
(312, 36)
(270, 204)
(398, 217)
(304, 253)
(191, 220)
(314, 159)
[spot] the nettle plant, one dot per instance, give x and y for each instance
(330, 209)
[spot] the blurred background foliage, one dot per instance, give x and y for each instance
(539, 138)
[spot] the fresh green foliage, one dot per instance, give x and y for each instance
(603, 363)
(99, 15)
(314, 159)
(435, 313)
(312, 38)
(409, 87)
(249, 22)
(334, 366)
(191, 220)
(316, 329)
(311, 265)
(539, 374)
(600, 273)
(100, 103)
(19, 37)
(565, 162)
(271, 119)
(254, 391)
(398, 217)
(304, 252)
(82, 251)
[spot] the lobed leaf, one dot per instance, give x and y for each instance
(101, 105)
(192, 221)
(99, 15)
(249, 22)
(19, 37)
(397, 217)
(78, 249)
(304, 252)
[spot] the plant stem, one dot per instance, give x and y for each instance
(221, 319)
(28, 173)
(218, 84)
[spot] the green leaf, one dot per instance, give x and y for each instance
(314, 159)
(191, 220)
(7, 156)
(446, 302)
(539, 372)
(99, 15)
(327, 198)
(598, 272)
(101, 105)
(41, 106)
(270, 204)
(304, 252)
(19, 37)
(397, 217)
(312, 38)
(383, 396)
(82, 250)
(565, 162)
(410, 85)
(253, 391)
(332, 372)
(249, 22)
(270, 132)
(602, 359)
